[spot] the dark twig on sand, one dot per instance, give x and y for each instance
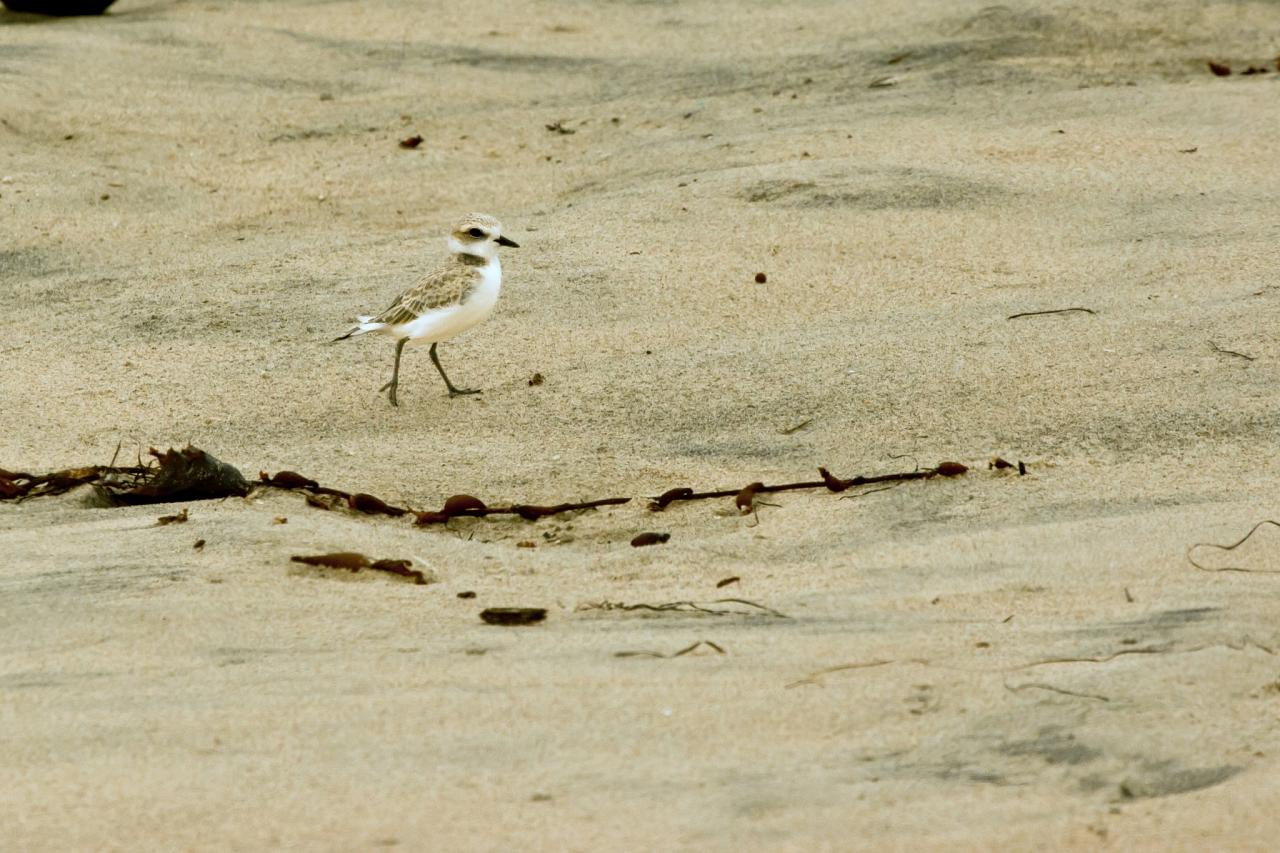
(1054, 311)
(1222, 351)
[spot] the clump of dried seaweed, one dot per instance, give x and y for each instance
(189, 474)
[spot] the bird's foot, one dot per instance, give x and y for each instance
(391, 386)
(462, 392)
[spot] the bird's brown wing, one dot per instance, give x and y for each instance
(449, 285)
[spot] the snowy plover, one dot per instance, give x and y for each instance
(456, 296)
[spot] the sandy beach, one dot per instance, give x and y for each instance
(195, 197)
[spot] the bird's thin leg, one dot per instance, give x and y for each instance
(453, 392)
(395, 373)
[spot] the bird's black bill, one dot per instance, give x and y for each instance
(503, 241)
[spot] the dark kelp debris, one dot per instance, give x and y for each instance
(411, 141)
(365, 503)
(1001, 464)
(513, 615)
(288, 480)
(193, 474)
(189, 474)
(649, 538)
(174, 476)
(465, 505)
(177, 518)
(403, 568)
(355, 562)
(723, 582)
(349, 560)
(678, 494)
(745, 498)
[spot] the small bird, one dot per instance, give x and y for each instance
(456, 296)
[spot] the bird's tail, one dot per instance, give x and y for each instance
(358, 329)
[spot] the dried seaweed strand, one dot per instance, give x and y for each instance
(138, 478)
(1232, 547)
(815, 677)
(683, 606)
(1037, 685)
(828, 481)
(1148, 650)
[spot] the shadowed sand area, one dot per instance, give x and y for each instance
(197, 196)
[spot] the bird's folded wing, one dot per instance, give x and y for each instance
(440, 289)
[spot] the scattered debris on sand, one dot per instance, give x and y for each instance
(356, 562)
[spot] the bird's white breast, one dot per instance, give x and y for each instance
(446, 322)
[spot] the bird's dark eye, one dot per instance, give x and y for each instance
(476, 232)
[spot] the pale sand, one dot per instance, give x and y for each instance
(153, 696)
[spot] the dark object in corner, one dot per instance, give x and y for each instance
(59, 7)
(513, 615)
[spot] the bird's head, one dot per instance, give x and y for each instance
(478, 234)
